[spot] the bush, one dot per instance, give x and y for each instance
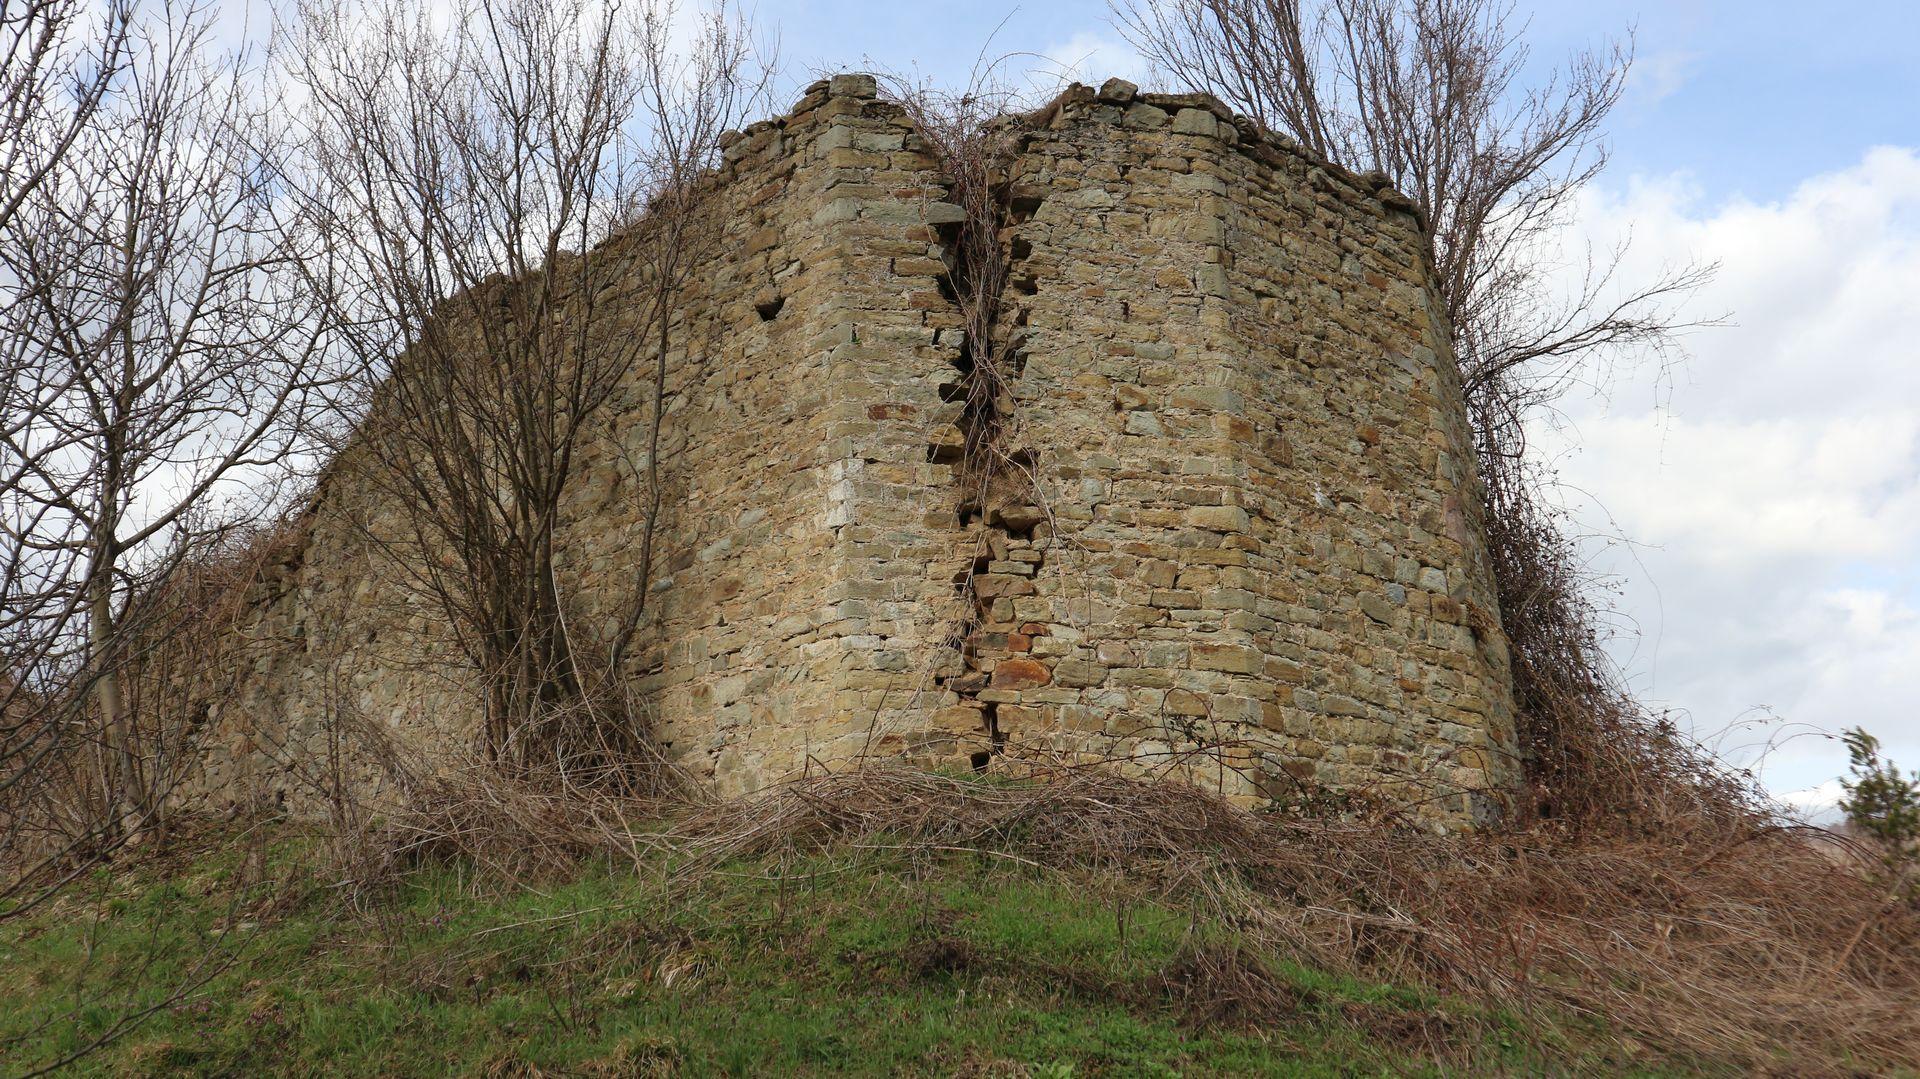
(1881, 803)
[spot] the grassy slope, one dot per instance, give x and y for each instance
(864, 962)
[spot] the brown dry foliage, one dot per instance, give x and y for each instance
(510, 826)
(1597, 761)
(182, 651)
(1738, 945)
(508, 829)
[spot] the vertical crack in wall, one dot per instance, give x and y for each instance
(998, 506)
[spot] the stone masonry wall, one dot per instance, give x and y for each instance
(1257, 525)
(1241, 543)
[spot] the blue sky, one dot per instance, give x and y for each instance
(1753, 97)
(1757, 507)
(1748, 97)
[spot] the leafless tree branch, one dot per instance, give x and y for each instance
(465, 184)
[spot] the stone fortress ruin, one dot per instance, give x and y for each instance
(1245, 543)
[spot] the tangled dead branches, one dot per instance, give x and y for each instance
(1751, 947)
(1736, 943)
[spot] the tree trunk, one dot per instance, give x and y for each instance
(125, 789)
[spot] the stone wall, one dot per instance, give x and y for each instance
(1251, 444)
(1239, 540)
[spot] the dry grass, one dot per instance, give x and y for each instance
(1754, 948)
(1739, 945)
(510, 828)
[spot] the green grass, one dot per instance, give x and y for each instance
(855, 963)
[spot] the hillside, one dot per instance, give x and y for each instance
(887, 921)
(862, 961)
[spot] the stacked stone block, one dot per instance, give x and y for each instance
(1256, 554)
(1237, 540)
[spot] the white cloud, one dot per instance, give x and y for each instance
(1092, 57)
(1774, 497)
(1658, 76)
(1817, 805)
(1814, 487)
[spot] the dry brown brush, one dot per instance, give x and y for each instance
(1734, 948)
(1598, 761)
(182, 652)
(1731, 949)
(382, 809)
(507, 829)
(1731, 945)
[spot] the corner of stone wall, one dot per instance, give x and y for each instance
(1249, 551)
(1252, 555)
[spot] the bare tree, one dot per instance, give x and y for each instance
(161, 368)
(688, 100)
(53, 75)
(463, 180)
(58, 59)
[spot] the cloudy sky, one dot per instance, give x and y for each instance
(1758, 507)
